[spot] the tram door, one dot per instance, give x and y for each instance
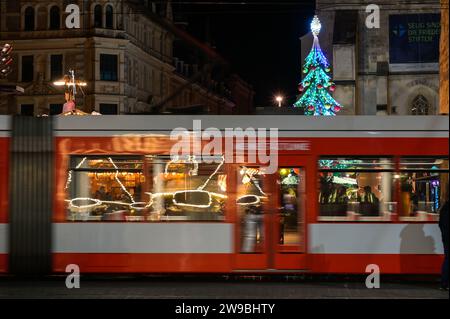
(270, 225)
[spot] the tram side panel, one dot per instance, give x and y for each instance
(108, 246)
(396, 246)
(333, 247)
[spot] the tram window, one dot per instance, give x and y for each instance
(250, 199)
(424, 188)
(186, 189)
(104, 188)
(292, 189)
(356, 189)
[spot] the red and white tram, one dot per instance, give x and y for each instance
(347, 192)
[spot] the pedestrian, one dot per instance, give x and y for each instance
(443, 225)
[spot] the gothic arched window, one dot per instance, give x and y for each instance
(420, 106)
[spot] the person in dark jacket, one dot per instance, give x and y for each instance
(443, 225)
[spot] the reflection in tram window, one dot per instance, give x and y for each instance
(135, 189)
(356, 189)
(186, 189)
(250, 200)
(424, 187)
(104, 188)
(289, 214)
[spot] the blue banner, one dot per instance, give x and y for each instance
(414, 38)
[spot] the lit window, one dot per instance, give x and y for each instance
(104, 188)
(186, 189)
(119, 188)
(424, 188)
(356, 189)
(250, 209)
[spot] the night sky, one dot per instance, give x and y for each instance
(260, 39)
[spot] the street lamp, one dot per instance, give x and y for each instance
(279, 100)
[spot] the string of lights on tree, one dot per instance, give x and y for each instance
(315, 88)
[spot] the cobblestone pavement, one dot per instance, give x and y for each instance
(223, 288)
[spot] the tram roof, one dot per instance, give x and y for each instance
(281, 122)
(301, 124)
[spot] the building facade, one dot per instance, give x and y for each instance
(382, 66)
(123, 50)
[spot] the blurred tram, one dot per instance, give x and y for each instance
(342, 193)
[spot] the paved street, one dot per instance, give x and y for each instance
(217, 288)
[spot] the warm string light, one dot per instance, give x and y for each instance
(116, 176)
(212, 175)
(255, 202)
(249, 177)
(192, 205)
(69, 176)
(134, 205)
(72, 206)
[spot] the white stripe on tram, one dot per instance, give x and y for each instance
(143, 238)
(4, 239)
(375, 239)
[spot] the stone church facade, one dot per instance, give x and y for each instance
(370, 79)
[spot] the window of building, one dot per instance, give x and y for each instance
(27, 109)
(144, 189)
(56, 67)
(27, 68)
(356, 189)
(420, 106)
(55, 18)
(424, 187)
(109, 17)
(29, 19)
(108, 109)
(108, 67)
(98, 16)
(55, 109)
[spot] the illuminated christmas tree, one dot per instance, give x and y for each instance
(316, 86)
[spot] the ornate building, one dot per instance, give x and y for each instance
(390, 67)
(124, 50)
